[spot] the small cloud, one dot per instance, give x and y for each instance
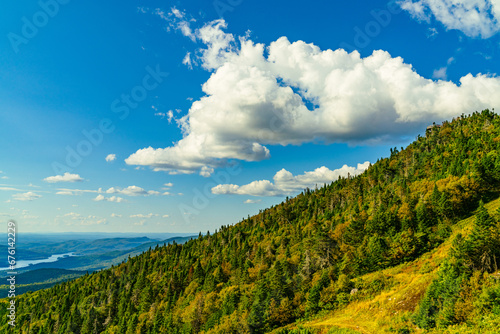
(177, 21)
(450, 60)
(169, 184)
(29, 196)
(67, 177)
(165, 216)
(141, 223)
(74, 192)
(187, 61)
(65, 192)
(169, 114)
(111, 157)
(9, 189)
(4, 177)
(115, 215)
(132, 191)
(149, 215)
(206, 171)
(440, 73)
(109, 199)
(73, 215)
(432, 32)
(252, 201)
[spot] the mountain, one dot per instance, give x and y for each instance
(308, 264)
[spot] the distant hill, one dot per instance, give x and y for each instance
(406, 247)
(40, 279)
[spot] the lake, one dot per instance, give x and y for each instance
(26, 263)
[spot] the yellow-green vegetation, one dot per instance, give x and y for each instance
(391, 310)
(385, 251)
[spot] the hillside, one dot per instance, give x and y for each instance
(379, 233)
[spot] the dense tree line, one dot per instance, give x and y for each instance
(297, 258)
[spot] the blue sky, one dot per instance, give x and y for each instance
(185, 116)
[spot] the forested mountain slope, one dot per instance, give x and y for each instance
(301, 257)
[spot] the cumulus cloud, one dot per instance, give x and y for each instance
(131, 191)
(285, 183)
(66, 177)
(475, 18)
(109, 199)
(110, 157)
(293, 93)
(115, 215)
(28, 196)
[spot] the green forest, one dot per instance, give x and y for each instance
(293, 267)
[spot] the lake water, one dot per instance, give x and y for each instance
(26, 263)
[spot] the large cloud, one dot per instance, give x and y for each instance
(285, 183)
(476, 18)
(293, 93)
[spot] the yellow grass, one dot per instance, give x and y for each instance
(391, 309)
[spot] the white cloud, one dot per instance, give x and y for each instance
(187, 61)
(293, 93)
(29, 196)
(131, 191)
(149, 215)
(440, 73)
(115, 215)
(9, 189)
(109, 199)
(475, 18)
(432, 32)
(74, 192)
(73, 215)
(165, 216)
(110, 157)
(206, 171)
(67, 177)
(169, 184)
(285, 183)
(177, 21)
(252, 201)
